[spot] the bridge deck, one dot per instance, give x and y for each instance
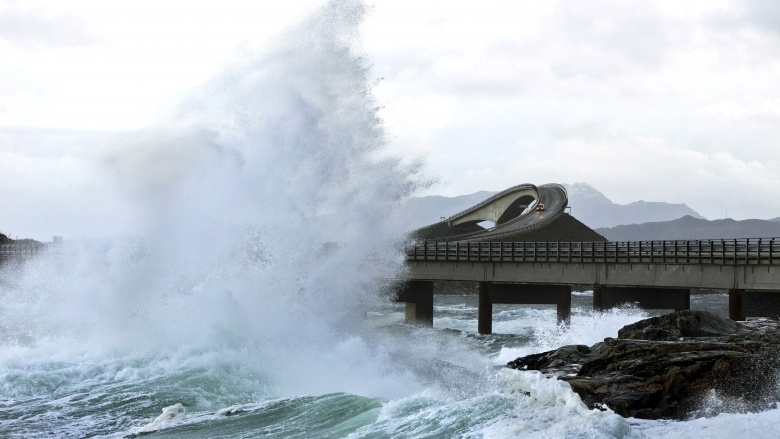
(746, 264)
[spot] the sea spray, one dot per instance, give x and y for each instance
(587, 327)
(262, 234)
(264, 201)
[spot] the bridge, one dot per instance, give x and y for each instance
(513, 211)
(652, 274)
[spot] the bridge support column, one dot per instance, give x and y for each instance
(418, 296)
(648, 298)
(564, 306)
(521, 294)
(736, 308)
(598, 298)
(484, 310)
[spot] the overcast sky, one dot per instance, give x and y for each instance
(674, 101)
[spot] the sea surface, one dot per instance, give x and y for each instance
(385, 380)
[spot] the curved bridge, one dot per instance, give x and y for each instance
(512, 210)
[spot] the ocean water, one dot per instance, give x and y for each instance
(251, 303)
(384, 379)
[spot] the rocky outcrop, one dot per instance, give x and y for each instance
(666, 367)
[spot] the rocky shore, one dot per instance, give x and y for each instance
(672, 367)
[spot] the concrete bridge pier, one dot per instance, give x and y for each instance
(743, 304)
(484, 310)
(521, 294)
(648, 298)
(418, 296)
(736, 308)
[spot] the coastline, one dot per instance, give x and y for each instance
(665, 367)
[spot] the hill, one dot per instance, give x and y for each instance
(692, 228)
(596, 210)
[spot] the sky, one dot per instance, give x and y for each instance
(645, 100)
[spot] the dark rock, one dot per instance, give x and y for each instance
(664, 367)
(681, 324)
(565, 360)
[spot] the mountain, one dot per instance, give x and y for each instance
(690, 228)
(422, 211)
(596, 210)
(588, 205)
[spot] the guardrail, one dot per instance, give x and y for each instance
(493, 197)
(753, 251)
(21, 250)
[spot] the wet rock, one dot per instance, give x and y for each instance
(665, 367)
(562, 361)
(681, 324)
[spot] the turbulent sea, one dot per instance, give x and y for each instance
(249, 301)
(383, 380)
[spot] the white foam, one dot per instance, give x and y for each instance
(586, 293)
(763, 425)
(587, 327)
(171, 415)
(548, 408)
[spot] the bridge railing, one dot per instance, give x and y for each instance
(753, 251)
(21, 250)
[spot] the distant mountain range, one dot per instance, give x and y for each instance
(588, 205)
(596, 210)
(640, 220)
(689, 227)
(422, 211)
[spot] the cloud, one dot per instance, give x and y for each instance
(47, 195)
(630, 169)
(606, 38)
(35, 30)
(662, 100)
(651, 100)
(764, 14)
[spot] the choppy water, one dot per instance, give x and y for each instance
(247, 303)
(444, 381)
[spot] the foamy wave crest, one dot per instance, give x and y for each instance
(548, 408)
(170, 416)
